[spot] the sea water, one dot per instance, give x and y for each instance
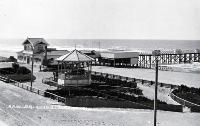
(122, 44)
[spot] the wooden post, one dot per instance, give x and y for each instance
(150, 61)
(155, 99)
(157, 54)
(190, 58)
(32, 68)
(185, 58)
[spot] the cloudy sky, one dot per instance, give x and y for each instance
(105, 19)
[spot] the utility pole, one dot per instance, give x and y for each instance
(156, 53)
(32, 66)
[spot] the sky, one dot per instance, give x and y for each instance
(100, 19)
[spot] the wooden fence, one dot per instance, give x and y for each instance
(33, 90)
(182, 101)
(85, 102)
(120, 80)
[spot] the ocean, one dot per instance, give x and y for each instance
(14, 45)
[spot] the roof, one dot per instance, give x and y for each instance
(57, 52)
(119, 54)
(108, 55)
(35, 41)
(75, 56)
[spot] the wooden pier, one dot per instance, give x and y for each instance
(148, 60)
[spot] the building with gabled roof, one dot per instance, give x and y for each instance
(35, 41)
(38, 46)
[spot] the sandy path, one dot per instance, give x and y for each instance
(178, 78)
(71, 116)
(163, 93)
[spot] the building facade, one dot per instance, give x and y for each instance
(38, 48)
(33, 46)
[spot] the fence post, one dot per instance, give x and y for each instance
(161, 84)
(134, 79)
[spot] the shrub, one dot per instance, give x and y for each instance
(7, 71)
(12, 59)
(15, 66)
(23, 70)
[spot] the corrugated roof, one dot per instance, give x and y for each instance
(35, 41)
(75, 56)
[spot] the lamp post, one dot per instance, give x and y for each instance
(156, 53)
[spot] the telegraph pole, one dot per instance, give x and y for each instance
(156, 53)
(32, 67)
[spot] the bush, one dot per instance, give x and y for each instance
(5, 71)
(12, 59)
(21, 77)
(23, 70)
(15, 66)
(195, 109)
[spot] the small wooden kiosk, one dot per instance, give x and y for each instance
(74, 69)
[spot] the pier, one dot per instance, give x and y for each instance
(148, 60)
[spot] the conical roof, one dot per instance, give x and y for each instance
(75, 56)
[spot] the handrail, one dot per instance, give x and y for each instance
(172, 95)
(27, 87)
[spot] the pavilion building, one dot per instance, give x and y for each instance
(74, 69)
